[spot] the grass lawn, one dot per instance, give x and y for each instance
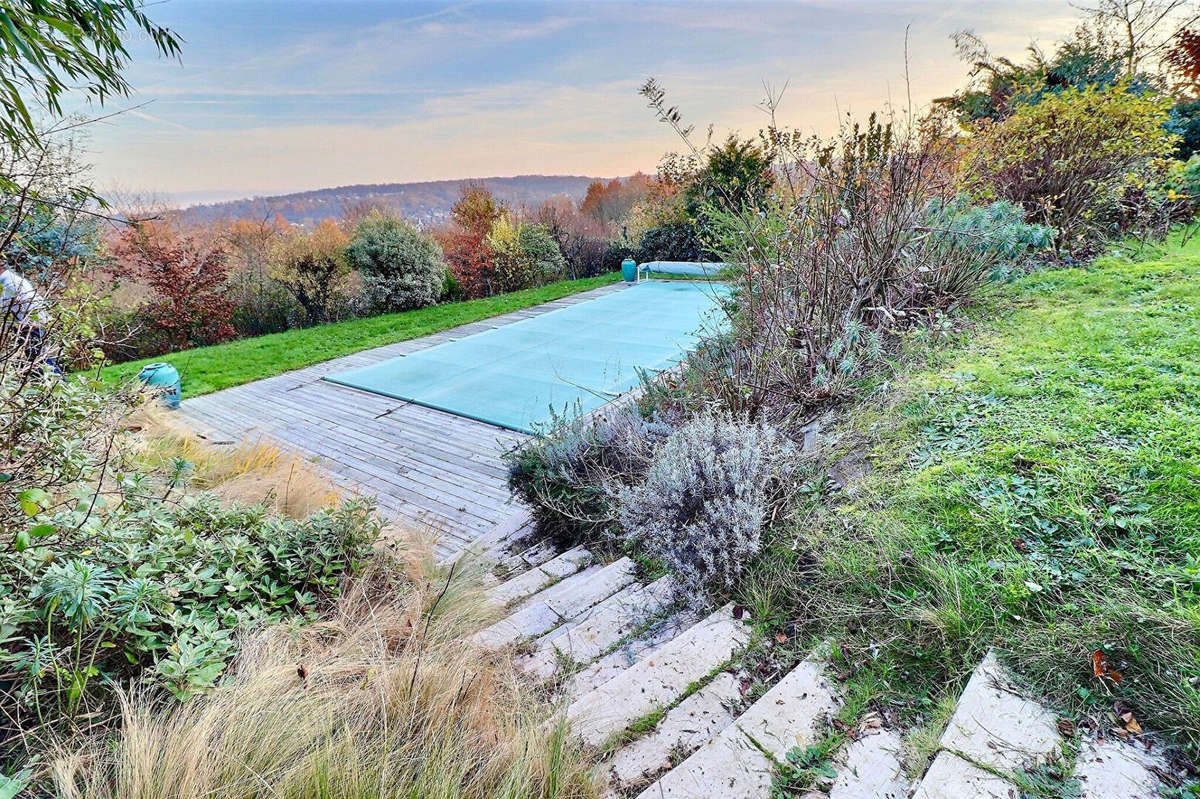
(208, 369)
(1033, 486)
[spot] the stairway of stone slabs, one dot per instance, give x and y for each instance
(655, 690)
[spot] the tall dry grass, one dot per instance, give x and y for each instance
(387, 698)
(253, 472)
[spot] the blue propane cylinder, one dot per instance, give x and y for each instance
(164, 378)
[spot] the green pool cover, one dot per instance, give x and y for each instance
(573, 359)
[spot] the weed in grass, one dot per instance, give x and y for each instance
(806, 768)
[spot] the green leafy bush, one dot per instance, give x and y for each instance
(400, 268)
(525, 256)
(158, 589)
(674, 241)
(1071, 159)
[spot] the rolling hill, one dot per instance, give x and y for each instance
(425, 203)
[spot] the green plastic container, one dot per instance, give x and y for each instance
(629, 270)
(164, 378)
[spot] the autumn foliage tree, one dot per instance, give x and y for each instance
(185, 277)
(465, 245)
(314, 268)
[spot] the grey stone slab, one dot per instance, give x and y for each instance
(1113, 769)
(871, 767)
(735, 764)
(684, 729)
(658, 681)
(995, 726)
(951, 777)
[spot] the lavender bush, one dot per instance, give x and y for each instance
(706, 498)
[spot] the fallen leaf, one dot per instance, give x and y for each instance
(1066, 728)
(780, 638)
(1131, 723)
(1100, 667)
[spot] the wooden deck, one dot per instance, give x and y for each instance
(427, 468)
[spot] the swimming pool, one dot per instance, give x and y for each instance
(571, 360)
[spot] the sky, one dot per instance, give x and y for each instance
(272, 96)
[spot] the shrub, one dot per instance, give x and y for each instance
(975, 243)
(400, 268)
(579, 236)
(159, 590)
(313, 267)
(674, 241)
(705, 499)
(470, 259)
(186, 277)
(262, 304)
(525, 256)
(1070, 159)
(566, 477)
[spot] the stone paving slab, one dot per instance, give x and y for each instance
(1113, 769)
(605, 626)
(951, 777)
(994, 726)
(871, 768)
(688, 726)
(734, 765)
(658, 681)
(560, 602)
(610, 665)
(535, 579)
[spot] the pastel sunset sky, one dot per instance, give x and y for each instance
(273, 96)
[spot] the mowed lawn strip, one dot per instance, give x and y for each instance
(208, 369)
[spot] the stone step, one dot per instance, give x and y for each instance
(684, 729)
(1113, 769)
(536, 578)
(658, 681)
(871, 767)
(993, 728)
(994, 731)
(735, 764)
(528, 558)
(610, 665)
(593, 635)
(560, 602)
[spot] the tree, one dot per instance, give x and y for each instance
(580, 238)
(1182, 62)
(186, 277)
(999, 85)
(476, 210)
(525, 255)
(400, 268)
(609, 203)
(49, 47)
(737, 174)
(1144, 28)
(313, 267)
(465, 245)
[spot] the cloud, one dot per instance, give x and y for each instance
(377, 92)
